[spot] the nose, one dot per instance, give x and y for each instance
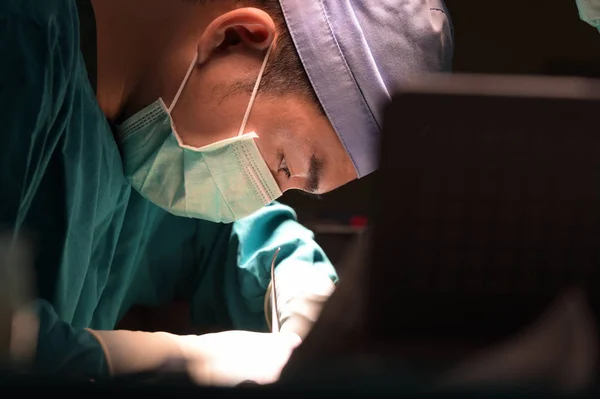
(293, 183)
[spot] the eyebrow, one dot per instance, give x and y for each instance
(315, 173)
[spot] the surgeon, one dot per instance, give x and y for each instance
(147, 168)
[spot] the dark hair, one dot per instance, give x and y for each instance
(284, 72)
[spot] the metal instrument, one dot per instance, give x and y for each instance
(275, 322)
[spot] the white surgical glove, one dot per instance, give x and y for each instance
(301, 297)
(221, 359)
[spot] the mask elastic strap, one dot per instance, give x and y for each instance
(255, 91)
(183, 83)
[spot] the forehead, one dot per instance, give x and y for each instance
(334, 163)
(329, 157)
(337, 174)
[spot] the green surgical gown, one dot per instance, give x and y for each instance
(589, 11)
(100, 247)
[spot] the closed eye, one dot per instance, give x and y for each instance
(283, 167)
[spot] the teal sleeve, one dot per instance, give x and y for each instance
(66, 351)
(39, 46)
(252, 244)
(38, 56)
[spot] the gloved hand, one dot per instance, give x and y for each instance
(300, 299)
(221, 359)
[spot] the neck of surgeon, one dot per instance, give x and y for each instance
(144, 50)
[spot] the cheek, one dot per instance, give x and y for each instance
(268, 150)
(204, 113)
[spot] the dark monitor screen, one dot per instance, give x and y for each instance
(487, 207)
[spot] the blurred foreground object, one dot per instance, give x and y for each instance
(483, 266)
(18, 319)
(562, 345)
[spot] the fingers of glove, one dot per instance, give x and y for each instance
(232, 357)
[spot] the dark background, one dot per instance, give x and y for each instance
(509, 37)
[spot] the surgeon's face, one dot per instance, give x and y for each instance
(296, 140)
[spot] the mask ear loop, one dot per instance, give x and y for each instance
(255, 90)
(183, 83)
(252, 98)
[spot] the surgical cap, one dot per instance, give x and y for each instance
(358, 52)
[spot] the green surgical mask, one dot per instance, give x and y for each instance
(589, 11)
(221, 182)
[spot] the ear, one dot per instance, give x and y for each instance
(246, 26)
